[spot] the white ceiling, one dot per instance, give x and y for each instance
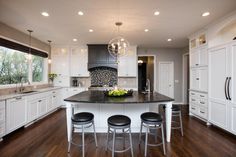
(177, 19)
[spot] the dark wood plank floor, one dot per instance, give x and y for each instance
(47, 138)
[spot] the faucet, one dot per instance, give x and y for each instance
(21, 89)
(147, 88)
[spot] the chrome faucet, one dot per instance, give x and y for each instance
(147, 88)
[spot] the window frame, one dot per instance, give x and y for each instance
(30, 74)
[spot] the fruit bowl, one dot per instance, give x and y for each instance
(118, 93)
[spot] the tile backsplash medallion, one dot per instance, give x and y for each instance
(101, 76)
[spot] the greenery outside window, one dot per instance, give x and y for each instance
(16, 68)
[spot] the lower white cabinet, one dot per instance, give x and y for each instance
(2, 118)
(32, 108)
(42, 106)
(199, 104)
(16, 113)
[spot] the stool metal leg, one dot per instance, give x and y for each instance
(131, 143)
(163, 139)
(113, 143)
(108, 132)
(83, 140)
(146, 142)
(95, 136)
(181, 125)
(140, 134)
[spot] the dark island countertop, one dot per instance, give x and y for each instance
(99, 97)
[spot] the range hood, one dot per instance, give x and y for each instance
(98, 56)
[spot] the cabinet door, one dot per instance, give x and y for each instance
(203, 79)
(217, 78)
(60, 60)
(16, 113)
(42, 106)
(79, 62)
(194, 58)
(32, 107)
(203, 56)
(50, 105)
(127, 65)
(194, 79)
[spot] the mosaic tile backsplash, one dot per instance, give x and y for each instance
(103, 76)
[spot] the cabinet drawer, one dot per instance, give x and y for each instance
(194, 109)
(202, 112)
(193, 100)
(193, 94)
(202, 95)
(203, 102)
(2, 115)
(2, 129)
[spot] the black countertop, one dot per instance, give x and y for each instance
(99, 97)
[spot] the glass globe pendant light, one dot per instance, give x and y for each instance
(118, 45)
(29, 57)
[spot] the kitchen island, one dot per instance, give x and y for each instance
(103, 107)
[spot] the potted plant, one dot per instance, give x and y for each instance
(51, 77)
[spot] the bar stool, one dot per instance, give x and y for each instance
(81, 120)
(152, 121)
(115, 123)
(176, 112)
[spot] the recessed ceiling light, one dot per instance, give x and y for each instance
(205, 14)
(146, 30)
(156, 13)
(74, 39)
(90, 30)
(169, 39)
(80, 13)
(45, 14)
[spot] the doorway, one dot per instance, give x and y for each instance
(146, 72)
(185, 78)
(166, 78)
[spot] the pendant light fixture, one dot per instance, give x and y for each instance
(118, 45)
(29, 57)
(49, 55)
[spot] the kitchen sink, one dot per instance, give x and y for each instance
(26, 92)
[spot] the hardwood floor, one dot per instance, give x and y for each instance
(47, 138)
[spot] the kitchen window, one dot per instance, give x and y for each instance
(15, 67)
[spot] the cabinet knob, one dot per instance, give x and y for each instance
(197, 78)
(18, 98)
(196, 64)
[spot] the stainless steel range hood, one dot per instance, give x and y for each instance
(98, 56)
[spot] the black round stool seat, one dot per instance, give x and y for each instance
(82, 117)
(174, 108)
(151, 117)
(119, 120)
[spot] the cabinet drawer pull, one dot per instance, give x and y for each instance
(196, 64)
(54, 96)
(197, 78)
(202, 96)
(202, 112)
(193, 108)
(18, 98)
(193, 100)
(192, 93)
(202, 102)
(53, 92)
(40, 100)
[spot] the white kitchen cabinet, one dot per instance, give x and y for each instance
(199, 79)
(222, 80)
(42, 106)
(2, 118)
(127, 64)
(60, 60)
(32, 108)
(198, 104)
(199, 57)
(16, 113)
(79, 62)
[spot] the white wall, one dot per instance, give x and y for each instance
(168, 54)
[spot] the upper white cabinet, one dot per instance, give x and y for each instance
(222, 79)
(199, 79)
(127, 64)
(16, 113)
(198, 40)
(199, 57)
(60, 60)
(79, 62)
